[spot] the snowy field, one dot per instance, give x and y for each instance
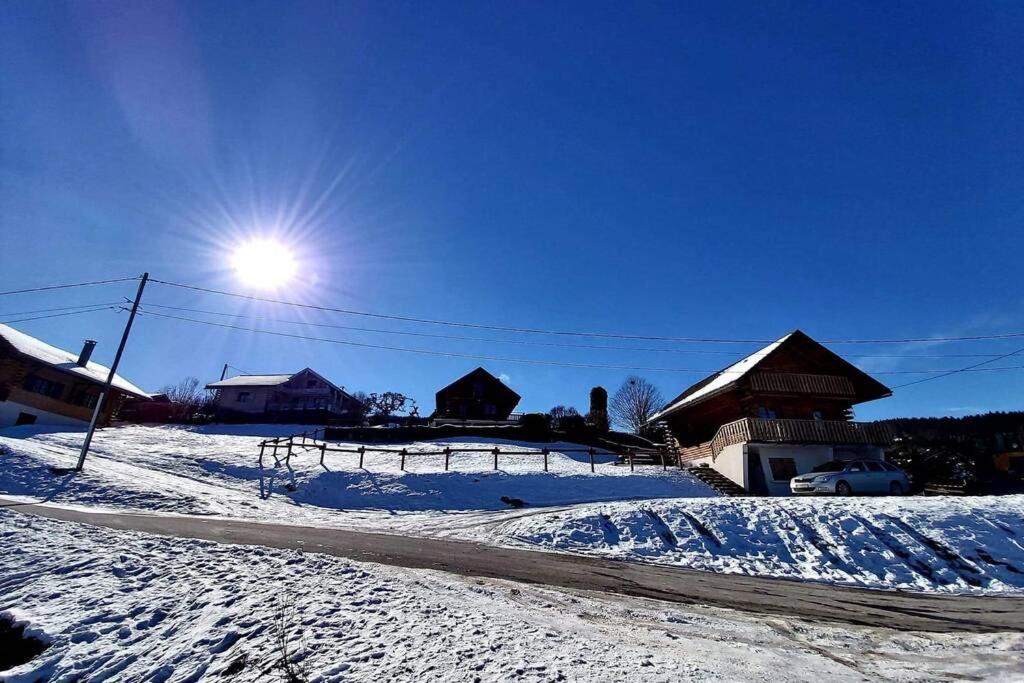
(124, 606)
(213, 471)
(913, 543)
(924, 544)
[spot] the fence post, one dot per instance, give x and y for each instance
(591, 452)
(277, 462)
(496, 457)
(323, 451)
(447, 455)
(362, 451)
(288, 458)
(546, 459)
(661, 454)
(629, 456)
(263, 447)
(403, 460)
(303, 438)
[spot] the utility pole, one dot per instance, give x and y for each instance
(110, 377)
(224, 372)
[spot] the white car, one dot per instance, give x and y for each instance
(849, 477)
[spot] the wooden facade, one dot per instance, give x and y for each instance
(796, 391)
(478, 395)
(36, 392)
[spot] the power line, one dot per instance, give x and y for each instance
(604, 335)
(61, 308)
(453, 354)
(969, 368)
(74, 284)
(60, 315)
(525, 342)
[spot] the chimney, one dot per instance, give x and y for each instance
(86, 354)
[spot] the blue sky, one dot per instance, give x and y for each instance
(729, 170)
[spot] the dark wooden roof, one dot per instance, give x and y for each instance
(811, 353)
(482, 374)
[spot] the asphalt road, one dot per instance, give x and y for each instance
(816, 602)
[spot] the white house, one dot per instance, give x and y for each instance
(283, 398)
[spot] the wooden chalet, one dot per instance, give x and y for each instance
(478, 395)
(775, 414)
(42, 384)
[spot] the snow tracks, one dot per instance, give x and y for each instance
(921, 544)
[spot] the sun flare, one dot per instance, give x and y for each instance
(264, 263)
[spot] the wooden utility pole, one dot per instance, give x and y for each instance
(224, 372)
(110, 376)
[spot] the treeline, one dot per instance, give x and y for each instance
(1002, 428)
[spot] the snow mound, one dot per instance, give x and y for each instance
(920, 544)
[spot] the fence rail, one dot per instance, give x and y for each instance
(308, 441)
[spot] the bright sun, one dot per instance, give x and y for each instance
(264, 263)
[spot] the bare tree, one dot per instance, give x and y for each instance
(558, 412)
(635, 402)
(188, 396)
(390, 402)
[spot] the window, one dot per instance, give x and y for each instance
(816, 415)
(244, 396)
(38, 385)
(766, 414)
(875, 467)
(490, 409)
(856, 467)
(25, 419)
(890, 467)
(783, 469)
(310, 383)
(80, 396)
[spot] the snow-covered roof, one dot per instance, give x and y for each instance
(721, 380)
(65, 360)
(251, 381)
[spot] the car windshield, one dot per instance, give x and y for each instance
(834, 466)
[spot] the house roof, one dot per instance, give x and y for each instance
(60, 359)
(480, 372)
(728, 377)
(251, 381)
(271, 381)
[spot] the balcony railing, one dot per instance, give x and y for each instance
(799, 432)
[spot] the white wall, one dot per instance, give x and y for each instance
(257, 403)
(732, 461)
(9, 411)
(804, 457)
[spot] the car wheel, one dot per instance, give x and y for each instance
(843, 489)
(895, 489)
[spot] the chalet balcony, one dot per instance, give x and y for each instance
(774, 430)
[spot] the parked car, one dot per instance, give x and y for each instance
(847, 477)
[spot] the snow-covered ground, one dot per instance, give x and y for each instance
(213, 471)
(125, 606)
(926, 544)
(932, 544)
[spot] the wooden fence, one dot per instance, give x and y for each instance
(307, 441)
